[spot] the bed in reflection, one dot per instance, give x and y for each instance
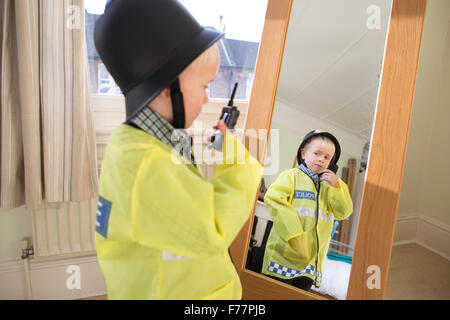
(336, 271)
(337, 264)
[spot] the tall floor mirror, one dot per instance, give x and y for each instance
(347, 67)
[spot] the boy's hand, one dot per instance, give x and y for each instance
(222, 127)
(330, 177)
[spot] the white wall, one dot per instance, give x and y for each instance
(14, 225)
(426, 180)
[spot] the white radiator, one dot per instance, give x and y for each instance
(64, 228)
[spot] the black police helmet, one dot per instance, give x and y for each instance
(145, 45)
(337, 153)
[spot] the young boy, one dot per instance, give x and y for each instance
(303, 203)
(163, 232)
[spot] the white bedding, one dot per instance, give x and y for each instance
(335, 279)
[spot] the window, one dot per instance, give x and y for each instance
(242, 22)
(101, 80)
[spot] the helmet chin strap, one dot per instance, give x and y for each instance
(179, 120)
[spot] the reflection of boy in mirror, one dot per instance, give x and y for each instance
(304, 202)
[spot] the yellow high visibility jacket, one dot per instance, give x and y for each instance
(163, 231)
(302, 223)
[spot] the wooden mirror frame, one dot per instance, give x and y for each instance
(381, 192)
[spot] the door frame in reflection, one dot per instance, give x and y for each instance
(381, 193)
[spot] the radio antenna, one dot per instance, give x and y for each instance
(230, 103)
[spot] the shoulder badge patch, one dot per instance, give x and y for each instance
(103, 212)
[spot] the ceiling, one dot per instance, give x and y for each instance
(332, 61)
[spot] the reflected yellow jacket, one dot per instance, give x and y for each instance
(163, 231)
(302, 218)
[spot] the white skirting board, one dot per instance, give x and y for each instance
(52, 278)
(425, 231)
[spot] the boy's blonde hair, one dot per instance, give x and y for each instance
(324, 139)
(210, 55)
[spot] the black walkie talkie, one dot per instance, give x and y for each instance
(230, 115)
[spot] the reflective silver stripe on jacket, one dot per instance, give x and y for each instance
(311, 213)
(169, 256)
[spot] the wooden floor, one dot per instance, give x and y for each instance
(95, 298)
